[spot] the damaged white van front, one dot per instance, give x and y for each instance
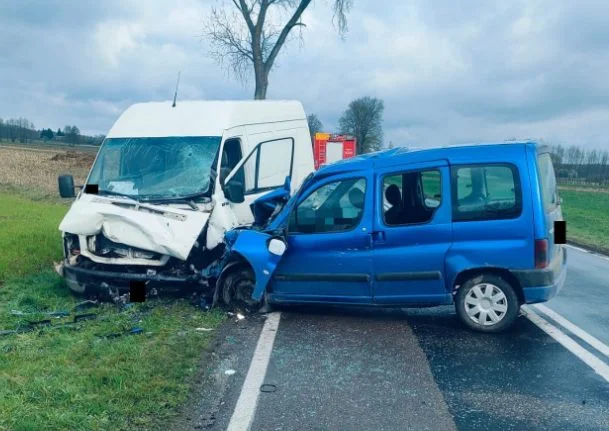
(155, 206)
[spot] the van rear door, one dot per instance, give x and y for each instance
(550, 201)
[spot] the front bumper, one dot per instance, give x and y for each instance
(540, 285)
(83, 280)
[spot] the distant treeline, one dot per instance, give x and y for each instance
(576, 165)
(21, 130)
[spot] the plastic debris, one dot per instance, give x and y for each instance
(8, 332)
(229, 372)
(87, 316)
(136, 330)
(240, 316)
(268, 387)
(84, 305)
(45, 322)
(46, 313)
(203, 329)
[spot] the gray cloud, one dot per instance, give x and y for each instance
(448, 71)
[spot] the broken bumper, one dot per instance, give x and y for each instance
(91, 280)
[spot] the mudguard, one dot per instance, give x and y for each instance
(253, 246)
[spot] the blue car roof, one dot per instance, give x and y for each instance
(406, 155)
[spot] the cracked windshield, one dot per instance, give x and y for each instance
(145, 168)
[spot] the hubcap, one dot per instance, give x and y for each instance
(486, 304)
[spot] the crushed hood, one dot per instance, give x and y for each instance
(166, 230)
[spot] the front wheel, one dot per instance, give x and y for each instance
(487, 303)
(237, 289)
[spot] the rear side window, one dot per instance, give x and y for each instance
(486, 192)
(547, 182)
(411, 197)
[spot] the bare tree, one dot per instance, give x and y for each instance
(604, 161)
(363, 119)
(248, 34)
(315, 125)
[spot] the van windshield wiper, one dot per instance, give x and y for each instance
(181, 200)
(112, 193)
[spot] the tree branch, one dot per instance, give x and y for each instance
(284, 33)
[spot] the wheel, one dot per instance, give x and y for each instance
(237, 289)
(487, 303)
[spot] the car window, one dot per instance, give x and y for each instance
(275, 163)
(231, 156)
(268, 166)
(547, 181)
(486, 192)
(334, 207)
(411, 197)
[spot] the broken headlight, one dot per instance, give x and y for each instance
(71, 245)
(104, 247)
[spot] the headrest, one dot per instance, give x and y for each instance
(393, 195)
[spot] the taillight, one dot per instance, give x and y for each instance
(541, 253)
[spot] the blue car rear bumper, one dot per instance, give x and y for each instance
(540, 285)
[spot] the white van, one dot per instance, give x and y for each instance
(155, 205)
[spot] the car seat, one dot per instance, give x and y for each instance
(393, 195)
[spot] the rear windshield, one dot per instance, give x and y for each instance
(547, 181)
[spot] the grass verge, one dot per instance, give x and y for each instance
(81, 376)
(587, 216)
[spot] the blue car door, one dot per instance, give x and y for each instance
(329, 255)
(412, 233)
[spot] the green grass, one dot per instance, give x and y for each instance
(587, 216)
(73, 377)
(29, 238)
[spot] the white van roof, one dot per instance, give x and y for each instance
(200, 117)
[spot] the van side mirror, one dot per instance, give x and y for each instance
(234, 191)
(66, 186)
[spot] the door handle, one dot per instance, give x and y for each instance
(378, 235)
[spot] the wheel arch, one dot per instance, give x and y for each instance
(505, 274)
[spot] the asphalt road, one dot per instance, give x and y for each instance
(420, 369)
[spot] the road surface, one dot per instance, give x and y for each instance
(419, 369)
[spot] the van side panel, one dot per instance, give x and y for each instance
(501, 243)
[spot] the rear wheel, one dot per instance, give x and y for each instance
(237, 289)
(487, 303)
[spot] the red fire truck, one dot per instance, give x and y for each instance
(330, 148)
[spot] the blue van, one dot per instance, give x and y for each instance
(466, 225)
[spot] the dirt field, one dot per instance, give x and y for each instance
(37, 169)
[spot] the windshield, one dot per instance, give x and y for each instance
(155, 168)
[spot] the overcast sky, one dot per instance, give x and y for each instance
(448, 71)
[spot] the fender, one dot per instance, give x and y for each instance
(253, 246)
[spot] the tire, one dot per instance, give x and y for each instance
(487, 303)
(237, 288)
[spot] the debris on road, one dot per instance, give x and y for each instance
(229, 372)
(268, 387)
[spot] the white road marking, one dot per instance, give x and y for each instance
(601, 368)
(245, 409)
(577, 248)
(576, 330)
